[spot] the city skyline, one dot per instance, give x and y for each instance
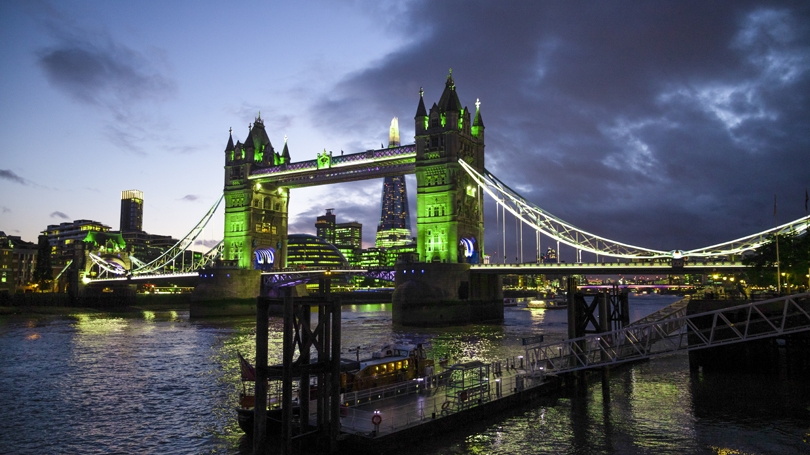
(671, 125)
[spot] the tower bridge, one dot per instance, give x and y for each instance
(449, 204)
(447, 157)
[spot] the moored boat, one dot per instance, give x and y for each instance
(390, 365)
(548, 301)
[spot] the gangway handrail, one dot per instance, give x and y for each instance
(637, 342)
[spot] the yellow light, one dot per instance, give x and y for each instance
(258, 186)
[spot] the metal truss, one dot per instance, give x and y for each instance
(136, 262)
(292, 277)
(208, 259)
(751, 242)
(63, 270)
(546, 223)
(168, 257)
(751, 321)
(107, 268)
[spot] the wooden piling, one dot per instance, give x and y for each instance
(260, 405)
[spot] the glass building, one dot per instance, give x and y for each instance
(305, 250)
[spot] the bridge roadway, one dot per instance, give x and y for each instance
(610, 268)
(582, 268)
(564, 268)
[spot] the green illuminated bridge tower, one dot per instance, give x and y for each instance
(450, 220)
(255, 212)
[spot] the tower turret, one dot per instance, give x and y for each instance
(478, 123)
(421, 117)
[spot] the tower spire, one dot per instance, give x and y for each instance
(393, 133)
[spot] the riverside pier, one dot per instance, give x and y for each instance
(601, 337)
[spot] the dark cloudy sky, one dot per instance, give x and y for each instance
(668, 125)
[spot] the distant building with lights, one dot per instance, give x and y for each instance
(18, 259)
(67, 238)
(394, 228)
(349, 240)
(309, 251)
(131, 211)
(325, 226)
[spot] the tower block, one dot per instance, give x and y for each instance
(450, 217)
(255, 213)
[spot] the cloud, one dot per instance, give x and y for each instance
(103, 73)
(666, 126)
(12, 177)
(126, 83)
(190, 197)
(58, 214)
(206, 243)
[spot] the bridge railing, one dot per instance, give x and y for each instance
(754, 320)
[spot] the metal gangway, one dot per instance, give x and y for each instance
(679, 332)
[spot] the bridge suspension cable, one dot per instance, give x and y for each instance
(181, 246)
(548, 224)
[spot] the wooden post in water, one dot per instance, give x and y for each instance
(335, 370)
(604, 327)
(287, 374)
(576, 313)
(260, 404)
(304, 314)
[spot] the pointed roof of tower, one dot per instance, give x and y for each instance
(449, 101)
(230, 147)
(286, 152)
(420, 110)
(258, 136)
(478, 121)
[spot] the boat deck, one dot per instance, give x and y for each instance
(404, 406)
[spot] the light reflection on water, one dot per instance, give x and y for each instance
(155, 382)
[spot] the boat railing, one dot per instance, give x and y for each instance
(433, 405)
(379, 393)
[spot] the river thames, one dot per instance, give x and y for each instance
(159, 383)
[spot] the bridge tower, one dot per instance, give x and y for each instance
(255, 214)
(450, 218)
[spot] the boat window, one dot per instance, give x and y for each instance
(399, 365)
(405, 363)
